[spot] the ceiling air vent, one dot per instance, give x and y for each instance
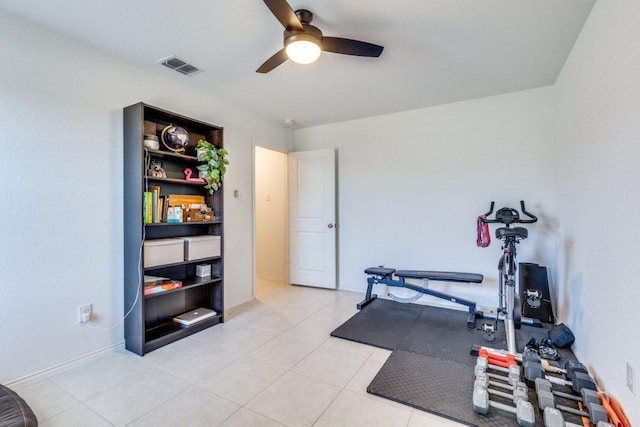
(179, 65)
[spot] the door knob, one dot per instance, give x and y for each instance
(330, 225)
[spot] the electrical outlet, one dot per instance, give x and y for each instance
(630, 378)
(84, 313)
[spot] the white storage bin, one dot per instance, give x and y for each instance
(163, 251)
(197, 247)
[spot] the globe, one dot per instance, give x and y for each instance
(175, 138)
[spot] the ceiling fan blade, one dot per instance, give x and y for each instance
(273, 62)
(350, 47)
(283, 12)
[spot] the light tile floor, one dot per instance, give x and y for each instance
(272, 363)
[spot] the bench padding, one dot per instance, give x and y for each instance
(380, 271)
(445, 276)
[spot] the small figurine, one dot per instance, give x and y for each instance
(157, 169)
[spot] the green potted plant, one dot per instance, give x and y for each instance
(214, 166)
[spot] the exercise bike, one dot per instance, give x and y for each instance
(509, 306)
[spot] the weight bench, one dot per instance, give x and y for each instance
(385, 276)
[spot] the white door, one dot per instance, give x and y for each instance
(312, 218)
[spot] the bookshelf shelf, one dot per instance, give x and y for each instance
(187, 284)
(191, 261)
(160, 153)
(176, 224)
(174, 180)
(150, 324)
(168, 332)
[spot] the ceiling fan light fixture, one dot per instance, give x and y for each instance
(303, 48)
(303, 42)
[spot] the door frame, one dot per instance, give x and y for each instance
(255, 217)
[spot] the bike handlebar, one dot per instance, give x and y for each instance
(512, 214)
(530, 215)
(490, 211)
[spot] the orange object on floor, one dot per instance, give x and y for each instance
(503, 360)
(616, 415)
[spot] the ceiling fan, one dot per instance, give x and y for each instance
(303, 42)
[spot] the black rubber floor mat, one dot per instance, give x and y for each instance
(428, 330)
(441, 387)
(431, 367)
(383, 323)
(443, 333)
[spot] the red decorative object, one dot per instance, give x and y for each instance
(188, 172)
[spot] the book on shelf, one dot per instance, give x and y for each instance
(154, 206)
(154, 285)
(155, 203)
(161, 216)
(185, 199)
(148, 207)
(165, 206)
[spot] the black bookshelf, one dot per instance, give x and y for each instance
(149, 324)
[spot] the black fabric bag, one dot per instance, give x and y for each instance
(561, 336)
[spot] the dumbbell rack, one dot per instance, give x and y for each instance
(569, 391)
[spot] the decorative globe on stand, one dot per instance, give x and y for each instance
(175, 138)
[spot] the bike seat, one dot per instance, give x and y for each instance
(504, 232)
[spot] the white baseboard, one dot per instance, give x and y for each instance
(64, 365)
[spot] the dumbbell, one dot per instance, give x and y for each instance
(524, 412)
(553, 418)
(518, 391)
(589, 399)
(536, 368)
(579, 381)
(570, 366)
(575, 372)
(586, 395)
(513, 372)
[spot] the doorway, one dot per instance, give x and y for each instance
(271, 220)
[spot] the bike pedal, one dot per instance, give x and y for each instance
(489, 332)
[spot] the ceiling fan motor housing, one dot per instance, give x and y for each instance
(311, 34)
(304, 16)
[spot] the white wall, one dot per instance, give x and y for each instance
(599, 195)
(411, 185)
(271, 201)
(62, 221)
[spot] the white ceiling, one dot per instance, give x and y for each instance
(436, 51)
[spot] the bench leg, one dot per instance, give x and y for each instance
(471, 318)
(368, 298)
(365, 302)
